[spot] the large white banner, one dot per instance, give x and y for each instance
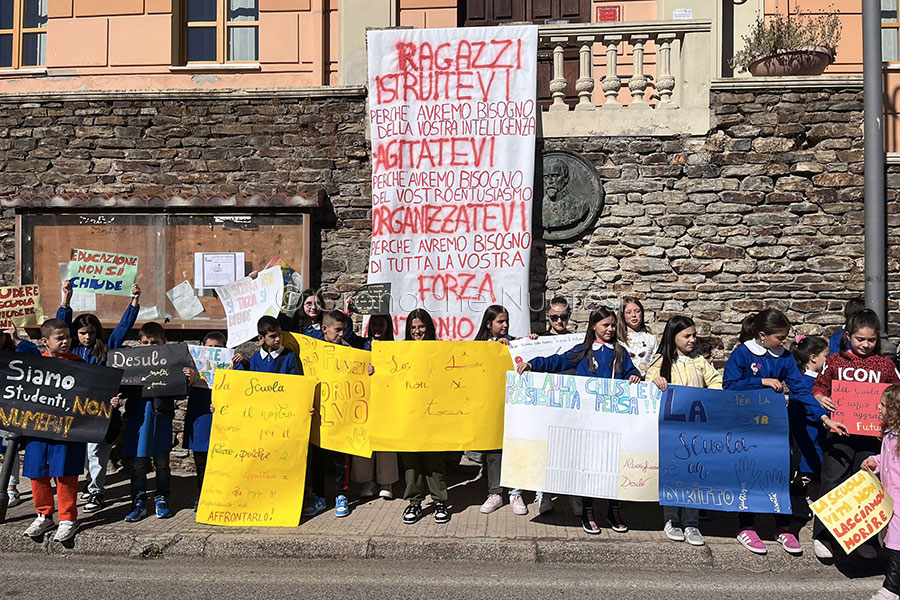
(452, 114)
(581, 436)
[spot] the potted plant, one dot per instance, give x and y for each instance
(789, 45)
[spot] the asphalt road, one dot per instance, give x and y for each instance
(43, 576)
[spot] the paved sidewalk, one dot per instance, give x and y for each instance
(374, 530)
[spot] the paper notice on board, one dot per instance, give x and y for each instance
(148, 313)
(215, 269)
(186, 304)
(81, 301)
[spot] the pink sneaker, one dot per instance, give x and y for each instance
(749, 539)
(518, 505)
(493, 502)
(789, 542)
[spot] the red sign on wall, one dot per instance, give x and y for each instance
(609, 14)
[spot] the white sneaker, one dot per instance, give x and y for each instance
(884, 594)
(369, 489)
(545, 503)
(386, 492)
(821, 550)
(39, 527)
(673, 533)
(66, 531)
(14, 497)
(693, 536)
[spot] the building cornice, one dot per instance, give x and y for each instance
(323, 92)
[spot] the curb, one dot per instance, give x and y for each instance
(609, 552)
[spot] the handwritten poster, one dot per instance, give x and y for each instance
(56, 399)
(207, 359)
(248, 299)
(256, 466)
(341, 422)
(524, 349)
(724, 450)
(857, 406)
(452, 114)
(159, 370)
(437, 396)
(856, 510)
(581, 436)
(20, 305)
(372, 299)
(97, 272)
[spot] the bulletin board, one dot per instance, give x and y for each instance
(165, 245)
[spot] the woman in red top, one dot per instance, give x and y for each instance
(859, 360)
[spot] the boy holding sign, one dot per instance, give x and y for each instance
(60, 460)
(148, 436)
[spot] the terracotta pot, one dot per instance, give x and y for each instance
(805, 61)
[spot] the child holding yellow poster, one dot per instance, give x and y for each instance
(424, 467)
(887, 466)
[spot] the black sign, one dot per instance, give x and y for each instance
(56, 399)
(372, 299)
(158, 369)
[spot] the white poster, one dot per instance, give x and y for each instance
(186, 304)
(207, 359)
(452, 114)
(215, 269)
(581, 436)
(248, 299)
(81, 301)
(524, 349)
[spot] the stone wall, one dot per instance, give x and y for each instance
(765, 210)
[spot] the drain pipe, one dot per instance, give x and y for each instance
(875, 212)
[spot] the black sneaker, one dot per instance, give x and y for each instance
(587, 521)
(412, 513)
(441, 514)
(94, 504)
(616, 523)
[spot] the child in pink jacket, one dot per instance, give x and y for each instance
(887, 465)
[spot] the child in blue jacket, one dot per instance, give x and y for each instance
(761, 361)
(87, 342)
(805, 418)
(272, 356)
(598, 356)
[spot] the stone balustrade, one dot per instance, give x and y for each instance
(668, 97)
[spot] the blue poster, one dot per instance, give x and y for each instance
(724, 450)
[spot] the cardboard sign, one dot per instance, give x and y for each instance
(248, 299)
(20, 305)
(372, 299)
(56, 399)
(453, 171)
(724, 450)
(341, 421)
(102, 272)
(856, 510)
(207, 359)
(438, 396)
(524, 349)
(158, 369)
(581, 436)
(857, 406)
(256, 469)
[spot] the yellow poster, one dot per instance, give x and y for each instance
(20, 305)
(856, 510)
(438, 396)
(341, 422)
(256, 468)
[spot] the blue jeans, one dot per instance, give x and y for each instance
(138, 469)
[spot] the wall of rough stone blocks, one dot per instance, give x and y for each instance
(765, 210)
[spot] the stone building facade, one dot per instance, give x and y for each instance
(764, 210)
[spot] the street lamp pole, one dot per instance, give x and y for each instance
(875, 212)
